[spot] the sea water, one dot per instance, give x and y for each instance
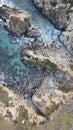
(12, 70)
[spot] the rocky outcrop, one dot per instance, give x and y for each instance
(57, 11)
(14, 108)
(60, 12)
(54, 63)
(55, 58)
(19, 111)
(66, 37)
(58, 75)
(42, 56)
(17, 20)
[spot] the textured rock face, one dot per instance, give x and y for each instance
(56, 10)
(17, 21)
(66, 37)
(17, 25)
(56, 63)
(13, 107)
(60, 12)
(56, 59)
(56, 54)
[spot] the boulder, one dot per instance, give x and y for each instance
(56, 59)
(66, 37)
(18, 22)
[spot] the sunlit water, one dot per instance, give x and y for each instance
(12, 70)
(47, 30)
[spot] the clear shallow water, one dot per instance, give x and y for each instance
(11, 67)
(47, 30)
(12, 70)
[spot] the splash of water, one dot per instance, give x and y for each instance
(6, 2)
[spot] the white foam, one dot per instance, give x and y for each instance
(6, 2)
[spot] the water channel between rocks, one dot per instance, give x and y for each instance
(12, 70)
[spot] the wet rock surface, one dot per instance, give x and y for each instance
(57, 11)
(48, 70)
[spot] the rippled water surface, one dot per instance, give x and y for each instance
(11, 67)
(47, 30)
(12, 70)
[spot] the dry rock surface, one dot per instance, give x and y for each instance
(55, 61)
(66, 37)
(15, 108)
(56, 10)
(17, 20)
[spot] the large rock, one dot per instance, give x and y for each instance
(66, 37)
(57, 76)
(17, 20)
(56, 59)
(57, 11)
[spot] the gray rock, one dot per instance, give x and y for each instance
(56, 11)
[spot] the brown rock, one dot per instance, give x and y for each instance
(17, 20)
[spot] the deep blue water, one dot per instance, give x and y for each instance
(12, 70)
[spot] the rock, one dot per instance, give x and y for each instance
(52, 65)
(48, 104)
(20, 108)
(45, 56)
(17, 20)
(66, 37)
(54, 59)
(33, 33)
(57, 12)
(58, 75)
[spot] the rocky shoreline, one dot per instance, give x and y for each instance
(58, 59)
(17, 20)
(56, 11)
(52, 81)
(61, 15)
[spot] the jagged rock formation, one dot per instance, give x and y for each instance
(56, 10)
(66, 37)
(17, 20)
(53, 62)
(15, 108)
(60, 12)
(58, 74)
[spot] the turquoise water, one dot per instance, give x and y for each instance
(10, 63)
(12, 70)
(48, 32)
